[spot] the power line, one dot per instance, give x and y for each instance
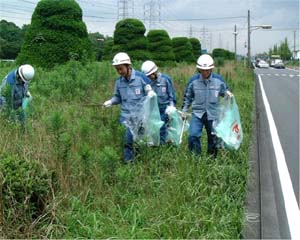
(125, 9)
(152, 13)
(203, 19)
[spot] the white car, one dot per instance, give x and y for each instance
(278, 63)
(263, 64)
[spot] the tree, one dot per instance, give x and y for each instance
(285, 51)
(107, 49)
(129, 37)
(183, 49)
(56, 35)
(97, 41)
(160, 46)
(196, 45)
(11, 40)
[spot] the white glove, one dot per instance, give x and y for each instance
(148, 88)
(151, 93)
(230, 94)
(28, 94)
(170, 110)
(183, 115)
(107, 103)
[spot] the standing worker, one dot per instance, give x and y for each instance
(14, 93)
(202, 92)
(162, 85)
(130, 88)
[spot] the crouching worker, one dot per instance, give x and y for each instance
(130, 88)
(14, 93)
(203, 92)
(162, 85)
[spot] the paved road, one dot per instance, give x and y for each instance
(282, 90)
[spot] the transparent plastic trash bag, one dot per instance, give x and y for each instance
(145, 122)
(228, 126)
(175, 127)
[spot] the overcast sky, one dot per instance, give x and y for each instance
(211, 21)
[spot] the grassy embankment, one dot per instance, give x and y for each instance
(168, 193)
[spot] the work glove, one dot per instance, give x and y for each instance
(183, 115)
(151, 94)
(148, 88)
(230, 94)
(107, 103)
(170, 110)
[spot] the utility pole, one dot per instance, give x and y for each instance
(249, 54)
(294, 55)
(235, 35)
(125, 9)
(152, 13)
(191, 31)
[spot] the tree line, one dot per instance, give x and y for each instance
(58, 34)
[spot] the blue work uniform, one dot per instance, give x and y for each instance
(164, 89)
(13, 93)
(128, 93)
(203, 95)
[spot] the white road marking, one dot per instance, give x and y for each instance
(290, 202)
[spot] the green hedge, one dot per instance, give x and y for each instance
(222, 53)
(196, 45)
(129, 37)
(183, 50)
(160, 46)
(56, 35)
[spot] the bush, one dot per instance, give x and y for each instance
(107, 50)
(26, 189)
(11, 40)
(183, 50)
(56, 35)
(196, 45)
(222, 53)
(160, 46)
(129, 37)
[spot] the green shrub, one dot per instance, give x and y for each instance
(25, 188)
(107, 50)
(129, 37)
(196, 45)
(160, 46)
(222, 53)
(56, 35)
(183, 50)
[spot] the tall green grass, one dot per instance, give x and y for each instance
(168, 193)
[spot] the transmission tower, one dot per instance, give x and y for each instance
(125, 9)
(205, 38)
(152, 13)
(191, 31)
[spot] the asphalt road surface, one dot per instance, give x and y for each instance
(282, 90)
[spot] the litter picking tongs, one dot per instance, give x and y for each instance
(183, 125)
(182, 129)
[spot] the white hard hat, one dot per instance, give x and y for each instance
(26, 72)
(121, 58)
(149, 67)
(205, 62)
